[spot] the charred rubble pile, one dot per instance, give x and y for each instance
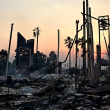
(54, 92)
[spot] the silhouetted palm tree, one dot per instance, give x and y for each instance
(36, 32)
(68, 41)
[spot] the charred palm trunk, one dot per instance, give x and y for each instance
(36, 52)
(70, 62)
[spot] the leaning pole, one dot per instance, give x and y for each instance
(9, 48)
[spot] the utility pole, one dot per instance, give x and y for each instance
(102, 20)
(58, 54)
(109, 49)
(84, 46)
(77, 21)
(89, 45)
(88, 49)
(92, 47)
(9, 48)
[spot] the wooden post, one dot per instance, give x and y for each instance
(9, 48)
(84, 46)
(77, 21)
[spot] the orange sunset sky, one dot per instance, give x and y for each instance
(49, 15)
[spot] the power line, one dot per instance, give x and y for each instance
(67, 54)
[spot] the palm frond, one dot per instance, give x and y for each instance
(34, 30)
(34, 34)
(65, 42)
(68, 38)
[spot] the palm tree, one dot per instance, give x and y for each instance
(36, 32)
(68, 41)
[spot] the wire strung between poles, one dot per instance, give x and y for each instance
(95, 18)
(67, 54)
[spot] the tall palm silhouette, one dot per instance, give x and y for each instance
(36, 32)
(68, 43)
